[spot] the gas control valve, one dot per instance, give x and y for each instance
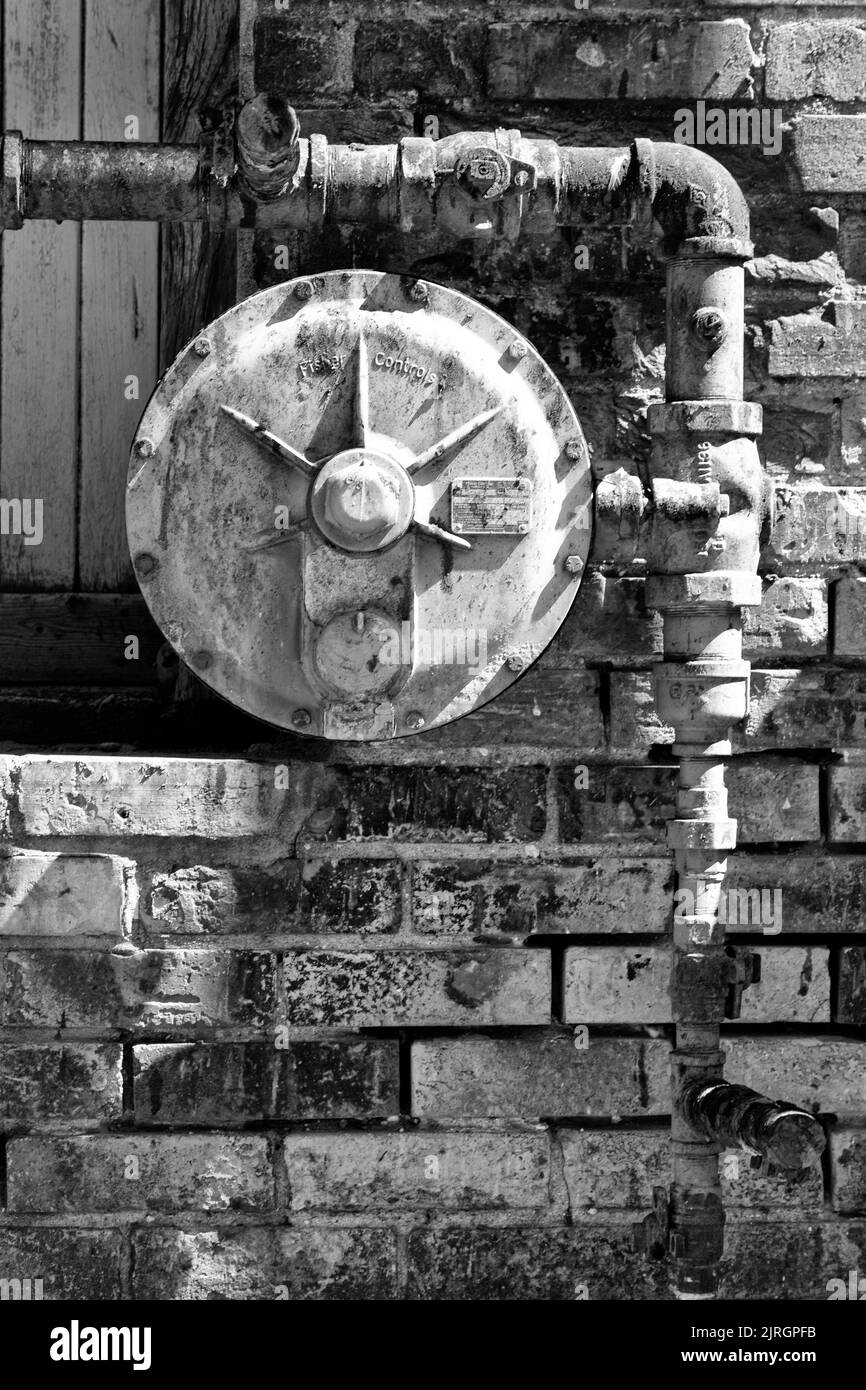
(359, 505)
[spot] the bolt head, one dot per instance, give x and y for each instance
(201, 347)
(414, 719)
(304, 289)
(145, 564)
(144, 448)
(359, 500)
(574, 450)
(573, 564)
(521, 179)
(302, 718)
(517, 350)
(418, 292)
(515, 663)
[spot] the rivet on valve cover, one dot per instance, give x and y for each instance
(362, 504)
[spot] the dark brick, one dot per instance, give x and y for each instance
(521, 1264)
(264, 1264)
(429, 803)
(437, 58)
(236, 1083)
(72, 1264)
(851, 1005)
(620, 803)
(325, 895)
(78, 1081)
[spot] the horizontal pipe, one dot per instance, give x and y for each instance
(415, 183)
(735, 1116)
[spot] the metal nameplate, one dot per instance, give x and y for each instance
(491, 506)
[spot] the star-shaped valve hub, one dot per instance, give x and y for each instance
(361, 499)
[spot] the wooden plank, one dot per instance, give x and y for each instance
(40, 288)
(199, 79)
(119, 287)
(69, 639)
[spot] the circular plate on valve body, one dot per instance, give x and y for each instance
(358, 505)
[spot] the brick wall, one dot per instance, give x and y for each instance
(328, 1021)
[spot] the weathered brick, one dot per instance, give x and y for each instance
(822, 1074)
(549, 706)
(608, 621)
(307, 52)
(59, 794)
(828, 702)
(774, 800)
(847, 803)
(615, 1169)
(851, 1002)
(826, 894)
(792, 620)
(320, 896)
(825, 59)
(594, 59)
(134, 1172)
(817, 706)
(617, 803)
(817, 526)
(386, 989)
(76, 1081)
(146, 989)
(481, 1077)
(849, 625)
(829, 345)
(263, 1264)
(63, 894)
(433, 56)
(848, 1170)
(439, 1170)
(609, 984)
(238, 1083)
(433, 803)
(591, 1261)
(71, 1264)
(787, 1260)
(829, 153)
(464, 897)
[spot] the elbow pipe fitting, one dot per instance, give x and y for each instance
(699, 206)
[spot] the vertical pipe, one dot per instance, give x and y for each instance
(702, 687)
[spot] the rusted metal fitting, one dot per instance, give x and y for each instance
(709, 328)
(483, 183)
(12, 191)
(267, 133)
(734, 1116)
(696, 1239)
(708, 984)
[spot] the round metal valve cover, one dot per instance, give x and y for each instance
(359, 505)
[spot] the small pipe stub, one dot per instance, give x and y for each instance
(267, 133)
(735, 1116)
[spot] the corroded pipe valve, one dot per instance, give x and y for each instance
(734, 1116)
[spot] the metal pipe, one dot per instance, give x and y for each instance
(474, 184)
(698, 519)
(734, 1116)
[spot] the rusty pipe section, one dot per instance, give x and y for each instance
(736, 1117)
(473, 184)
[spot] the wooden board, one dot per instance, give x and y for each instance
(119, 287)
(48, 639)
(199, 77)
(40, 294)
